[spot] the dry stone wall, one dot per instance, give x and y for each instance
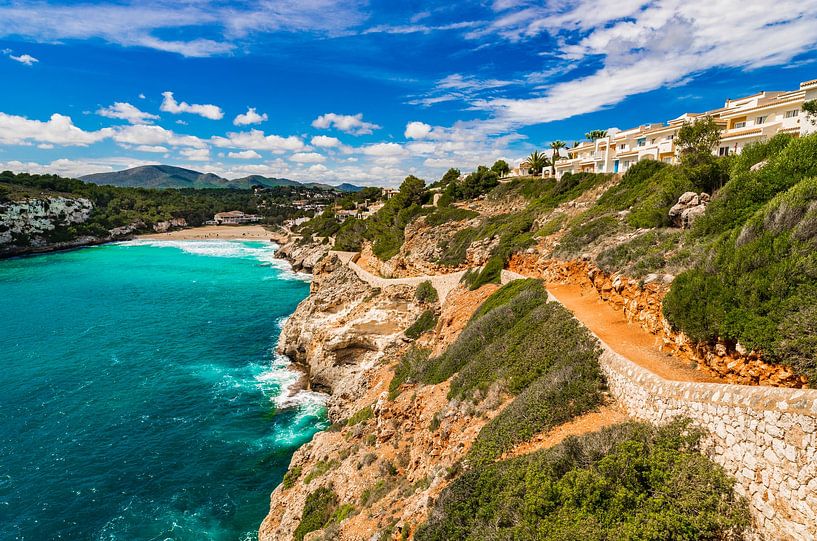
(765, 437)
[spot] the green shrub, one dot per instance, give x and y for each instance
(630, 481)
(411, 364)
(641, 255)
(291, 476)
(653, 210)
(449, 214)
(319, 508)
(374, 493)
(361, 416)
(757, 283)
(491, 273)
(426, 322)
(426, 293)
(320, 469)
(580, 236)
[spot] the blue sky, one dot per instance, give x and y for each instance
(369, 91)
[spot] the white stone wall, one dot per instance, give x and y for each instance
(36, 216)
(766, 437)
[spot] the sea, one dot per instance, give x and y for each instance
(141, 397)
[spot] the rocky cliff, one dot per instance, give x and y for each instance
(387, 460)
(27, 224)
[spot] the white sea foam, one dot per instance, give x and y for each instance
(264, 254)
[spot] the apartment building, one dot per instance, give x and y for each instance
(742, 121)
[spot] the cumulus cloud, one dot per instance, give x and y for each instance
(26, 59)
(324, 141)
(417, 130)
(257, 140)
(152, 148)
(196, 154)
(352, 124)
(142, 134)
(308, 157)
(170, 105)
(384, 150)
(126, 111)
(244, 155)
(57, 130)
(250, 117)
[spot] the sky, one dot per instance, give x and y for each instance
(369, 92)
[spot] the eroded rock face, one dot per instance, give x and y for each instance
(393, 466)
(344, 328)
(303, 257)
(689, 208)
(34, 217)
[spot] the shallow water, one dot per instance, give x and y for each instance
(140, 395)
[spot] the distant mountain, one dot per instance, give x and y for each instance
(168, 176)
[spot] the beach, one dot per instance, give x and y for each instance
(220, 232)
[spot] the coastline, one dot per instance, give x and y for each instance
(218, 232)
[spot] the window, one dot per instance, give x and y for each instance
(723, 151)
(652, 141)
(793, 113)
(641, 142)
(739, 124)
(670, 137)
(761, 120)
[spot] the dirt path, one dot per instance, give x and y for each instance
(630, 341)
(589, 422)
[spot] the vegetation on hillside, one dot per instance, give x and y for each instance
(630, 481)
(117, 207)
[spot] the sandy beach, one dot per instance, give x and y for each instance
(216, 232)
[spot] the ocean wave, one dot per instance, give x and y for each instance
(258, 250)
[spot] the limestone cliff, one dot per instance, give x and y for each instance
(27, 223)
(394, 460)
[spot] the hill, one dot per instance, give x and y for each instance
(168, 176)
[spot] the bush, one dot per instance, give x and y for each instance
(449, 214)
(361, 416)
(318, 511)
(426, 293)
(291, 476)
(630, 481)
(491, 273)
(640, 255)
(757, 283)
(581, 236)
(320, 469)
(426, 322)
(411, 364)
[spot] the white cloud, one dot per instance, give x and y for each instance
(257, 140)
(196, 154)
(138, 23)
(324, 141)
(142, 134)
(417, 130)
(170, 105)
(142, 96)
(152, 148)
(646, 46)
(26, 59)
(307, 157)
(250, 117)
(126, 111)
(244, 155)
(384, 150)
(352, 124)
(58, 130)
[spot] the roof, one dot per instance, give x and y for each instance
(230, 214)
(804, 84)
(743, 133)
(772, 104)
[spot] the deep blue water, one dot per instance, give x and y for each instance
(140, 395)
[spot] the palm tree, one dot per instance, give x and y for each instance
(555, 146)
(595, 134)
(536, 162)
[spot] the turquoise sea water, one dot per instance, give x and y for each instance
(140, 395)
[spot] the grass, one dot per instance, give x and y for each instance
(644, 254)
(630, 481)
(449, 214)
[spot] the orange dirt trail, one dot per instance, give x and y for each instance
(630, 341)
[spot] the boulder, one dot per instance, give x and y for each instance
(690, 206)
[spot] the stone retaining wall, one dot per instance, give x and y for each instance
(763, 436)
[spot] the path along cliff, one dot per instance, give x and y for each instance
(348, 335)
